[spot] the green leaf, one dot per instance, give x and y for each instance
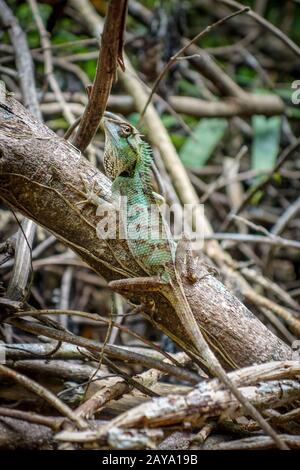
(134, 118)
(58, 123)
(265, 145)
(198, 148)
(245, 75)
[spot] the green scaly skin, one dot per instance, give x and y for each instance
(127, 162)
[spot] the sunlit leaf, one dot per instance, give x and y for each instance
(265, 145)
(198, 148)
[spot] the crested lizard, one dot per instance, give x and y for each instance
(127, 161)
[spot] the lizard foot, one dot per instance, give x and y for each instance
(141, 285)
(185, 261)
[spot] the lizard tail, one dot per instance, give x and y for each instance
(191, 326)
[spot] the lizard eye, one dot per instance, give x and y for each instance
(125, 131)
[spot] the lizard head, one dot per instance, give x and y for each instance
(122, 146)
